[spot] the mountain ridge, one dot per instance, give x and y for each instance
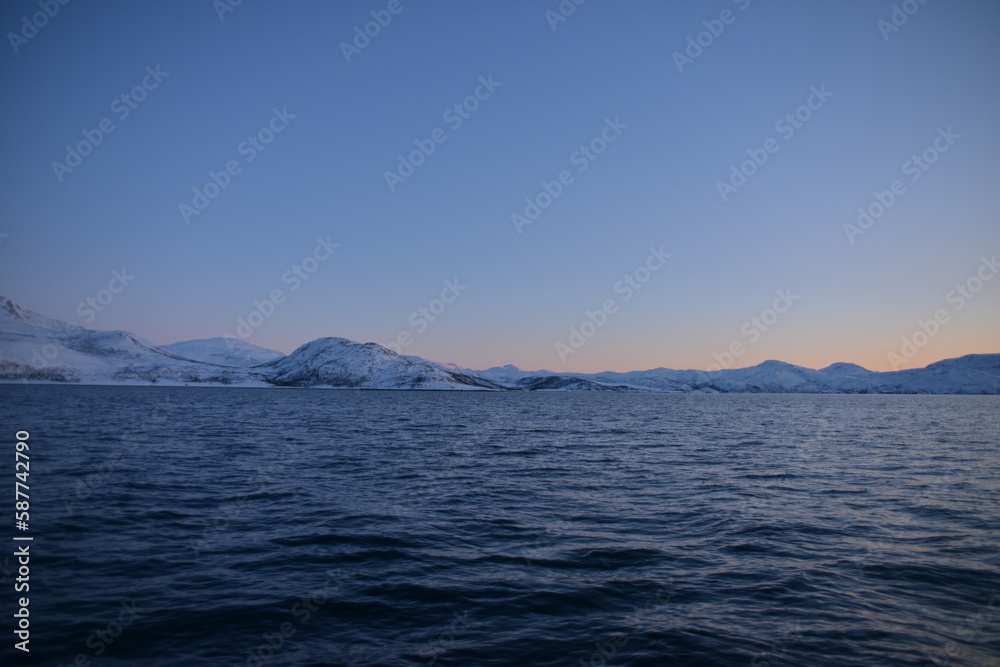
(38, 349)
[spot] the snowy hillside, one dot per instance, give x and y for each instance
(338, 362)
(40, 349)
(34, 348)
(223, 352)
(972, 374)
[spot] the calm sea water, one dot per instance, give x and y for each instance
(194, 526)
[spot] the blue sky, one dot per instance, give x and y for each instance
(344, 124)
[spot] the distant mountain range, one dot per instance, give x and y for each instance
(34, 349)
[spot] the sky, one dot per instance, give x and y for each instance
(621, 186)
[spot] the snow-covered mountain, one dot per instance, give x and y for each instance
(846, 369)
(223, 352)
(972, 374)
(34, 348)
(338, 362)
(446, 366)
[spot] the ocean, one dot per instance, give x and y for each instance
(236, 526)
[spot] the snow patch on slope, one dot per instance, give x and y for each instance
(223, 352)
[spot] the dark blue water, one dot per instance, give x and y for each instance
(192, 526)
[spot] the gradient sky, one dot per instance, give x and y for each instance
(323, 175)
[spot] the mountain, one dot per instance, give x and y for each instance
(34, 348)
(972, 374)
(223, 352)
(446, 366)
(338, 362)
(511, 374)
(846, 369)
(566, 383)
